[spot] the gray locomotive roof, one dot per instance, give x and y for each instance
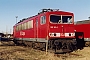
(83, 22)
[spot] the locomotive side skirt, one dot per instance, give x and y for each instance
(86, 39)
(33, 39)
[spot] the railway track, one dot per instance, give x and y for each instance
(28, 52)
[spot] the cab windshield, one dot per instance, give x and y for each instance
(60, 19)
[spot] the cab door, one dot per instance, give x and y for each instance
(36, 29)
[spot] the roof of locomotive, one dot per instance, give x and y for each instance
(83, 22)
(43, 11)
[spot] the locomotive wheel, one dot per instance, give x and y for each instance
(41, 46)
(16, 42)
(33, 45)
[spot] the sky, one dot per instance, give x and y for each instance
(9, 9)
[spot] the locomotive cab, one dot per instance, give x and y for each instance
(61, 26)
(61, 31)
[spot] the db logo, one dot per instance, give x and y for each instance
(62, 34)
(22, 33)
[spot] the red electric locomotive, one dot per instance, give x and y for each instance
(82, 30)
(50, 29)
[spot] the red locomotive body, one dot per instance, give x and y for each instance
(54, 27)
(82, 27)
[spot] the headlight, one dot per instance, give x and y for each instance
(69, 34)
(54, 34)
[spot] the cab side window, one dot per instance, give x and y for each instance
(43, 19)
